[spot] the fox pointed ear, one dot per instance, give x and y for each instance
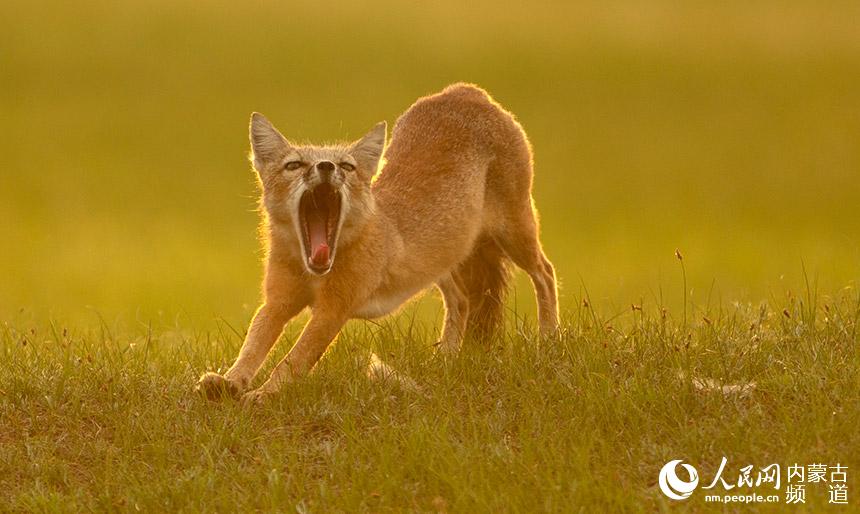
(267, 144)
(368, 150)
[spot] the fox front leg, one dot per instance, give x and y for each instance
(320, 331)
(265, 329)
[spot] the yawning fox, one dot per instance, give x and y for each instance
(354, 235)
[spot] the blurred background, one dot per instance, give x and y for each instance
(728, 130)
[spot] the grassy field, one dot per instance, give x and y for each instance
(129, 261)
(106, 420)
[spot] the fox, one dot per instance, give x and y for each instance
(355, 230)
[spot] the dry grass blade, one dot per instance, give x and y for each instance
(379, 371)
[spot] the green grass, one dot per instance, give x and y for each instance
(106, 419)
(129, 262)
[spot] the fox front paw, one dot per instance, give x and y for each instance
(256, 397)
(217, 387)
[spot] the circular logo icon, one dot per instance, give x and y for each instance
(672, 486)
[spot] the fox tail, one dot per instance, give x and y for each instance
(485, 275)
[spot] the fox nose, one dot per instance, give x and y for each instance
(325, 166)
(325, 170)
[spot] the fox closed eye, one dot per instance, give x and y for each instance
(347, 166)
(294, 165)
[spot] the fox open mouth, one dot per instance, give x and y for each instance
(319, 217)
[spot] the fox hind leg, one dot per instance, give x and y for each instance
(520, 242)
(456, 311)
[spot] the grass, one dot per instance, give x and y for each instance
(105, 419)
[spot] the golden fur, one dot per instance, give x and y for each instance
(451, 203)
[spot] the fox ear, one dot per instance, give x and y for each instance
(368, 150)
(267, 144)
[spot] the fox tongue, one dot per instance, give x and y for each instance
(320, 250)
(320, 255)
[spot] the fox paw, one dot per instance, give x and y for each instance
(256, 397)
(217, 387)
(447, 347)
